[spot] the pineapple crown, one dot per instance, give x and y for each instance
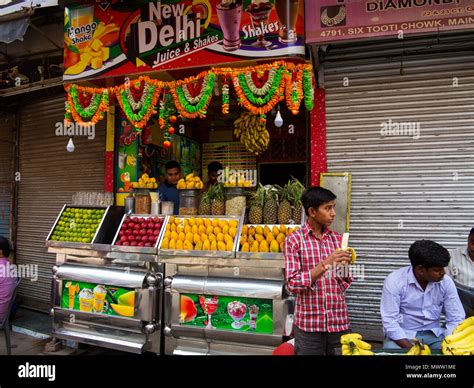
(295, 190)
(258, 198)
(216, 192)
(284, 193)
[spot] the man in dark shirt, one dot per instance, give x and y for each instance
(213, 170)
(167, 190)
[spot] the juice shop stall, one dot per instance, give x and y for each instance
(208, 274)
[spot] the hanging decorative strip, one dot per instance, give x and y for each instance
(250, 96)
(139, 112)
(96, 103)
(258, 89)
(167, 118)
(192, 107)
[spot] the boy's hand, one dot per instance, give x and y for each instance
(338, 257)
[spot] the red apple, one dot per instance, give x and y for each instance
(118, 243)
(131, 225)
(136, 232)
(135, 219)
(133, 244)
(137, 226)
(126, 244)
(143, 232)
(149, 232)
(138, 238)
(143, 225)
(148, 244)
(124, 238)
(156, 219)
(141, 244)
(156, 232)
(128, 232)
(151, 225)
(131, 238)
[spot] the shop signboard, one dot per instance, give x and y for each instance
(349, 20)
(227, 313)
(98, 298)
(120, 38)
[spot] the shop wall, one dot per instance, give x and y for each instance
(407, 185)
(49, 177)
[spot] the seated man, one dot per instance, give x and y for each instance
(7, 283)
(414, 296)
(461, 270)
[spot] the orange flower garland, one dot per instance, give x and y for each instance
(72, 108)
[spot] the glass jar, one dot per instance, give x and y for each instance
(142, 201)
(188, 202)
(235, 201)
(167, 208)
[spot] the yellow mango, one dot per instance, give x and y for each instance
(189, 237)
(222, 224)
(190, 185)
(192, 221)
(188, 245)
(171, 220)
(228, 238)
(282, 246)
(270, 238)
(275, 231)
(217, 230)
(233, 231)
(221, 246)
(214, 245)
(263, 247)
(173, 228)
(172, 244)
(198, 246)
(259, 238)
(206, 245)
(186, 229)
(220, 237)
(194, 229)
(215, 222)
(259, 230)
(209, 230)
(280, 238)
(252, 231)
(229, 245)
(245, 229)
(233, 224)
(179, 244)
(167, 234)
(165, 243)
(274, 247)
(282, 228)
(201, 229)
(250, 240)
(181, 236)
(243, 239)
(204, 237)
(225, 229)
(174, 236)
(254, 247)
(196, 238)
(78, 68)
(207, 222)
(199, 221)
(212, 237)
(266, 230)
(245, 247)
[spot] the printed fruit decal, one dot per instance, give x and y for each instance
(126, 311)
(127, 299)
(188, 310)
(199, 234)
(77, 225)
(95, 53)
(264, 238)
(190, 182)
(145, 182)
(139, 231)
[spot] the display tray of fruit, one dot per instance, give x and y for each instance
(76, 226)
(263, 241)
(200, 236)
(138, 233)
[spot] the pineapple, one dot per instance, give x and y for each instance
(218, 201)
(296, 190)
(284, 210)
(205, 204)
(270, 209)
(256, 207)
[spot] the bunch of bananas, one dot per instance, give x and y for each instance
(461, 342)
(252, 133)
(419, 349)
(352, 345)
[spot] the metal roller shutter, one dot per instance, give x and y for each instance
(49, 177)
(403, 189)
(6, 165)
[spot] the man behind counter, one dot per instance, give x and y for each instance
(461, 270)
(213, 169)
(167, 190)
(413, 298)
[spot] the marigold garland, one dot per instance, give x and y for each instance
(258, 89)
(94, 112)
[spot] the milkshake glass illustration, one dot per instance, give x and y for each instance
(99, 298)
(287, 12)
(259, 11)
(237, 312)
(229, 13)
(253, 314)
(209, 306)
(86, 300)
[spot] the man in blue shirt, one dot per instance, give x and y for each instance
(414, 296)
(167, 190)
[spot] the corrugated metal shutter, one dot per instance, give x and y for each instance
(6, 164)
(403, 189)
(49, 177)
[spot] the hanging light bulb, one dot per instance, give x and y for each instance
(70, 145)
(278, 119)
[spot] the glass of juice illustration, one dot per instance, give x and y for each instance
(209, 306)
(80, 18)
(287, 12)
(72, 290)
(237, 312)
(99, 298)
(86, 300)
(253, 314)
(229, 13)
(259, 11)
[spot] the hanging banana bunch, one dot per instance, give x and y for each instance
(252, 132)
